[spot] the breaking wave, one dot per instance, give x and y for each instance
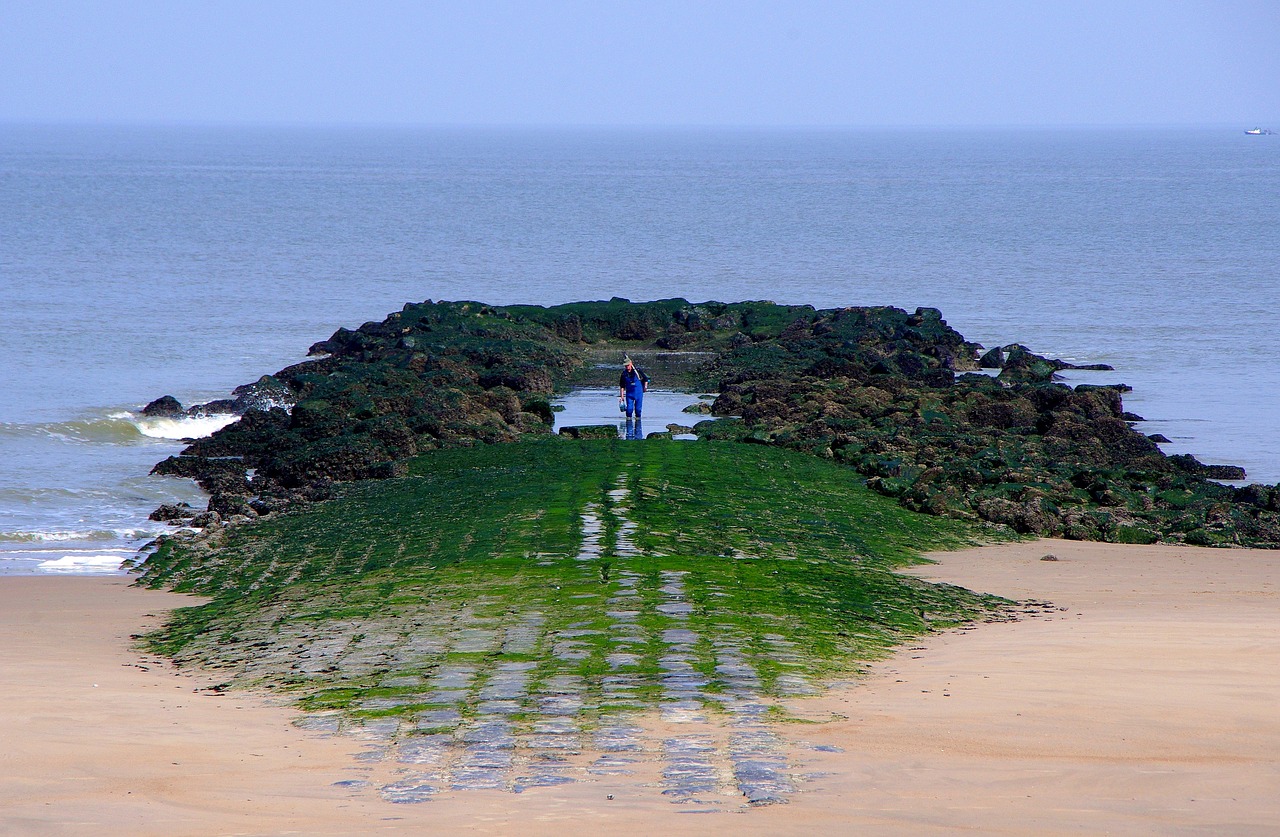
(122, 428)
(88, 535)
(82, 563)
(189, 427)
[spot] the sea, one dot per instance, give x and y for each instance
(142, 261)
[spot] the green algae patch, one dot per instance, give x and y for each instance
(509, 577)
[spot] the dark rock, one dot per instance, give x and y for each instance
(675, 341)
(209, 518)
(262, 394)
(1159, 438)
(871, 388)
(221, 407)
(227, 505)
(590, 431)
(166, 406)
(1134, 534)
(1188, 463)
(1261, 496)
(993, 359)
(171, 512)
(1224, 472)
(1022, 365)
(1199, 537)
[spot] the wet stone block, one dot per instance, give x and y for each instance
(509, 682)
(567, 743)
(748, 713)
(485, 757)
(754, 742)
(563, 684)
(453, 677)
(611, 766)
(555, 734)
(474, 641)
(579, 632)
(446, 696)
(794, 684)
(318, 723)
(409, 790)
(402, 682)
(683, 712)
(615, 739)
(617, 661)
(571, 651)
(560, 705)
(371, 755)
(686, 776)
(493, 732)
(542, 780)
(679, 636)
(521, 639)
(479, 778)
(378, 729)
(424, 749)
(385, 703)
(556, 726)
(499, 707)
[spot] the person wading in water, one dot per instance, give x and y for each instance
(631, 386)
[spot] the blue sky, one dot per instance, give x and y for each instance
(485, 62)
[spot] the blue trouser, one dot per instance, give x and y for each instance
(635, 400)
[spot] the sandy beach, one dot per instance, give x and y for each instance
(1143, 701)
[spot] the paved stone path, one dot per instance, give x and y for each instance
(518, 700)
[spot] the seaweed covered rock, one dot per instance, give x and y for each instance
(874, 388)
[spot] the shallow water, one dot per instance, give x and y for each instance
(600, 406)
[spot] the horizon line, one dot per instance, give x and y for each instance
(613, 126)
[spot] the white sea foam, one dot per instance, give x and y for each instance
(63, 536)
(189, 427)
(83, 563)
(58, 537)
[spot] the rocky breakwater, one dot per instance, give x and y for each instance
(875, 391)
(879, 389)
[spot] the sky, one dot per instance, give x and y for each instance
(614, 62)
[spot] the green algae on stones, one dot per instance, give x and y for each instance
(561, 574)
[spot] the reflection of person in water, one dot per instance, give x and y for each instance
(632, 384)
(634, 431)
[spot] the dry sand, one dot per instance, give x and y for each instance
(1150, 703)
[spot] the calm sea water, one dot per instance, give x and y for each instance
(139, 262)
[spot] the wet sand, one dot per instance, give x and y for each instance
(1142, 702)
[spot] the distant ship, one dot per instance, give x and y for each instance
(1258, 132)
